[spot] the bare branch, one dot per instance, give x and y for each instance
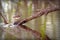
(4, 18)
(40, 13)
(34, 32)
(5, 21)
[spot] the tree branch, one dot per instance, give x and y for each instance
(40, 13)
(5, 21)
(1, 9)
(34, 32)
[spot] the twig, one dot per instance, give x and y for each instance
(5, 21)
